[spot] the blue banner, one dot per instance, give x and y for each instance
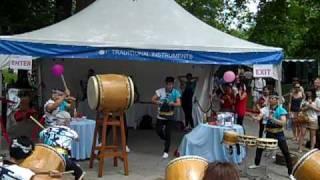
(114, 53)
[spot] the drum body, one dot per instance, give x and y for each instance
(230, 137)
(186, 168)
(248, 140)
(45, 158)
(267, 143)
(308, 166)
(110, 92)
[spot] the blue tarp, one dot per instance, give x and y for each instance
(45, 50)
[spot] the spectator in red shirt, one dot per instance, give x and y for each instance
(241, 103)
(227, 100)
(25, 110)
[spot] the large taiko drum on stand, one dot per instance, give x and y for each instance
(110, 92)
(45, 158)
(308, 166)
(186, 168)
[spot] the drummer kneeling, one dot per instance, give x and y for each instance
(60, 138)
(274, 117)
(20, 148)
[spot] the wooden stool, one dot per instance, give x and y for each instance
(109, 151)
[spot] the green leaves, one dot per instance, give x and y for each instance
(20, 16)
(288, 24)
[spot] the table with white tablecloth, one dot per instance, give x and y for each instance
(207, 141)
(81, 149)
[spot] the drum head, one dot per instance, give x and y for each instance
(301, 160)
(186, 168)
(195, 158)
(131, 89)
(40, 157)
(93, 93)
(232, 133)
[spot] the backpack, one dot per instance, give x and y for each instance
(146, 122)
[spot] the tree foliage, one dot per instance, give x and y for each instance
(311, 38)
(292, 25)
(231, 16)
(19, 16)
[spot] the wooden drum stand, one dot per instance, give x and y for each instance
(112, 150)
(110, 94)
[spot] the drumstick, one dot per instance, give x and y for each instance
(34, 120)
(70, 98)
(60, 173)
(64, 82)
(67, 172)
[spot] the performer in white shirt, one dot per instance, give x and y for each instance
(257, 85)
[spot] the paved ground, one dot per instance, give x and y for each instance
(145, 160)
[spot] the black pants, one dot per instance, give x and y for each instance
(70, 165)
(187, 109)
(261, 128)
(282, 143)
(163, 129)
(240, 120)
(318, 135)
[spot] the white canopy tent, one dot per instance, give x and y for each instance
(152, 31)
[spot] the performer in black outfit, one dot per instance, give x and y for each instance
(275, 117)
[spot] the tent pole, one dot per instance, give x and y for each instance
(279, 78)
(39, 83)
(1, 82)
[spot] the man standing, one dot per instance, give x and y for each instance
(275, 117)
(316, 93)
(166, 98)
(84, 83)
(189, 84)
(257, 85)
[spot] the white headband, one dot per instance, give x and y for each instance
(25, 149)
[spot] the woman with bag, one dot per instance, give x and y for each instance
(295, 100)
(310, 110)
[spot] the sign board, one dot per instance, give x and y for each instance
(21, 62)
(265, 71)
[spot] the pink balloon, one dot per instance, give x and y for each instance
(57, 70)
(229, 76)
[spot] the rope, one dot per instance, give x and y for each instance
(201, 108)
